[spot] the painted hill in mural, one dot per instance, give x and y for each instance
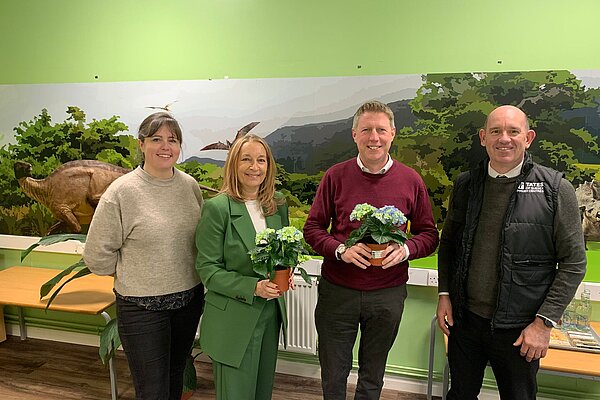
(205, 160)
(315, 147)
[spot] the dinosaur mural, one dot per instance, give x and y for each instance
(226, 146)
(71, 192)
(588, 197)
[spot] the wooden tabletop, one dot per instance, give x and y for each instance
(571, 361)
(20, 286)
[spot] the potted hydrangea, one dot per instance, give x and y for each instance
(278, 253)
(379, 226)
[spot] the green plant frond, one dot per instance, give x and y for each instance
(356, 235)
(47, 287)
(304, 275)
(190, 382)
(261, 269)
(53, 239)
(109, 341)
(82, 272)
(386, 237)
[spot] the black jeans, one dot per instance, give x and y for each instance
(156, 344)
(339, 313)
(472, 344)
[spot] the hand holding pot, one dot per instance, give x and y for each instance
(266, 289)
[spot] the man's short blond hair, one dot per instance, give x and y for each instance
(376, 107)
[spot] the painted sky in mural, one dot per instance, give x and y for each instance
(208, 111)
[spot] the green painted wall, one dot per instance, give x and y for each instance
(74, 41)
(593, 259)
(83, 41)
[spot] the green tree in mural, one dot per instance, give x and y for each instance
(46, 145)
(451, 108)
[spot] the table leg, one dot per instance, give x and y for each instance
(111, 366)
(2, 324)
(22, 328)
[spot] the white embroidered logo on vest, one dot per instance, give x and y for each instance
(531, 187)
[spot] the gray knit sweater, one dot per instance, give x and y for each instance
(143, 232)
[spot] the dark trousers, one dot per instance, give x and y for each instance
(472, 344)
(157, 344)
(340, 312)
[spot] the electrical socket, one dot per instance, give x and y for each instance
(594, 289)
(432, 278)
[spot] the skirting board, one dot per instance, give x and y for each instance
(55, 335)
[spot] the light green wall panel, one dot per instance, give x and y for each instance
(75, 41)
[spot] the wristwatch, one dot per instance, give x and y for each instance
(546, 321)
(341, 249)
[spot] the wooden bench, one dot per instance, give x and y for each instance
(571, 363)
(91, 294)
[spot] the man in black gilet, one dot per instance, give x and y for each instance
(511, 257)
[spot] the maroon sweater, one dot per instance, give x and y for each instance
(343, 186)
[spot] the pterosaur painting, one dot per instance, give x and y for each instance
(227, 145)
(166, 107)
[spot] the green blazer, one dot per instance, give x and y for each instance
(224, 236)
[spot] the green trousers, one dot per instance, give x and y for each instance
(253, 380)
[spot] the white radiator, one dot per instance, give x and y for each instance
(301, 303)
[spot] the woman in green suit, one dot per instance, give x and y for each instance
(243, 312)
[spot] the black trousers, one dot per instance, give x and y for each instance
(340, 312)
(157, 344)
(472, 344)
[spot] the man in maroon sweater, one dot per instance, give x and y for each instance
(353, 293)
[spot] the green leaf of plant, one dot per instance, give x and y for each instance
(189, 375)
(109, 341)
(52, 239)
(305, 276)
(261, 269)
(82, 272)
(47, 287)
(356, 235)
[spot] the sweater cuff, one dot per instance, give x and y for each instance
(554, 324)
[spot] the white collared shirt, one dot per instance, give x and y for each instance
(383, 170)
(513, 173)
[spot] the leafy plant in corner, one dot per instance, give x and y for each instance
(109, 338)
(190, 377)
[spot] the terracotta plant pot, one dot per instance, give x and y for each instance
(282, 279)
(187, 395)
(376, 252)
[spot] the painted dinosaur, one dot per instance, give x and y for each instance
(71, 192)
(588, 197)
(226, 146)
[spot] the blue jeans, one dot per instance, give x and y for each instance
(156, 344)
(340, 312)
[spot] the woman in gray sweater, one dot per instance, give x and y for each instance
(142, 233)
